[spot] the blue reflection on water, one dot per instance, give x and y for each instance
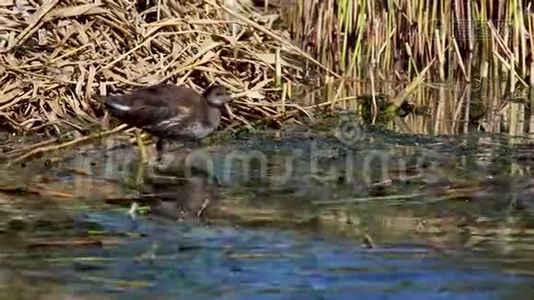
(180, 260)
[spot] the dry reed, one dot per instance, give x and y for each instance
(57, 57)
(483, 43)
(404, 36)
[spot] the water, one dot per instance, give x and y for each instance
(241, 263)
(310, 216)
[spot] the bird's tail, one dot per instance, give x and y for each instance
(116, 105)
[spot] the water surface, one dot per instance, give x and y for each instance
(308, 215)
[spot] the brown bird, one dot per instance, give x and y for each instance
(171, 112)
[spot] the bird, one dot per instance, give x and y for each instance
(170, 112)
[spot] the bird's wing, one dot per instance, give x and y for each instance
(154, 106)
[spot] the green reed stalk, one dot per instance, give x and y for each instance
(390, 32)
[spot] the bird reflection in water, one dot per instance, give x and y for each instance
(178, 191)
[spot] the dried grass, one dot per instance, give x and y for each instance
(56, 57)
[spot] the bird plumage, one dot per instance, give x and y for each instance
(169, 111)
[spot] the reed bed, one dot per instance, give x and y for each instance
(58, 57)
(482, 43)
(467, 38)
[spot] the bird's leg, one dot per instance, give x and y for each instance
(144, 159)
(142, 148)
(159, 149)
